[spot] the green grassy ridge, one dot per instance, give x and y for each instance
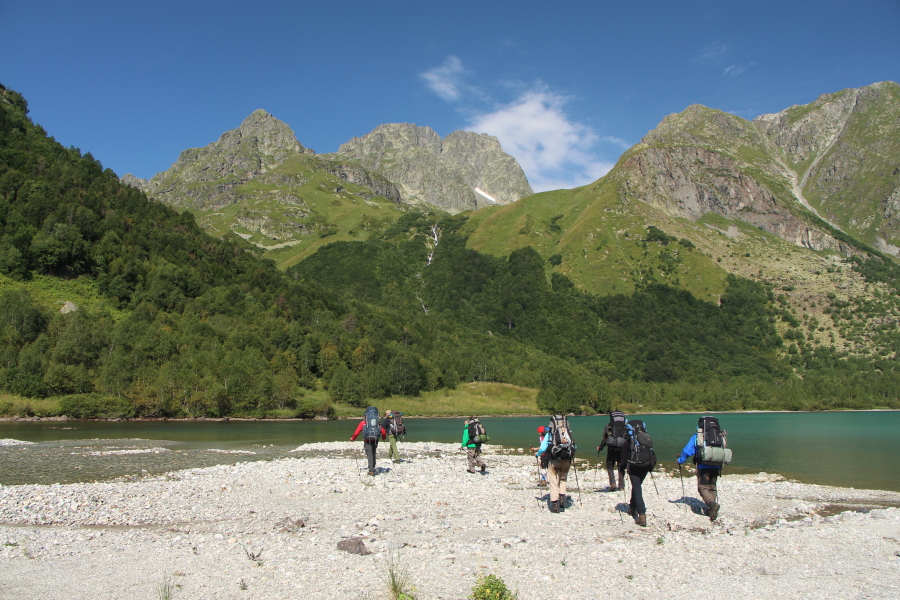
(354, 213)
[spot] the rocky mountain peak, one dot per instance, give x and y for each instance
(462, 171)
(203, 177)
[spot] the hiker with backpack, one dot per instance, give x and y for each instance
(393, 424)
(641, 460)
(708, 447)
(560, 446)
(617, 449)
(371, 430)
(473, 436)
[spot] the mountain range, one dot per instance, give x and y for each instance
(786, 198)
(707, 270)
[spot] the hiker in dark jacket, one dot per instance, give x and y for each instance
(636, 475)
(707, 476)
(370, 445)
(388, 425)
(614, 456)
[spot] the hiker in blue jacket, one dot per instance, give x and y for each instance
(707, 476)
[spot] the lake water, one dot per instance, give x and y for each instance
(848, 449)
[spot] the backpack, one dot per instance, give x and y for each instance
(640, 454)
(562, 446)
(712, 443)
(476, 432)
(397, 426)
(372, 429)
(616, 438)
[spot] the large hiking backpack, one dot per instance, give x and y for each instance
(372, 428)
(477, 434)
(712, 443)
(640, 452)
(397, 426)
(616, 438)
(562, 446)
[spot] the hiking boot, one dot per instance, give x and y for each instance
(713, 511)
(372, 473)
(641, 520)
(554, 507)
(483, 467)
(471, 471)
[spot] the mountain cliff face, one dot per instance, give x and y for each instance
(844, 150)
(703, 160)
(837, 158)
(464, 171)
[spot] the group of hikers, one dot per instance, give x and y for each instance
(629, 449)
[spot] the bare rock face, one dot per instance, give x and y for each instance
(837, 158)
(464, 171)
(845, 150)
(206, 177)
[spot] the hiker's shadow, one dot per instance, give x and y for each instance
(697, 506)
(622, 507)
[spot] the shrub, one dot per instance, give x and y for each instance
(491, 587)
(94, 406)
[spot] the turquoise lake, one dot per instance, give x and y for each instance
(848, 449)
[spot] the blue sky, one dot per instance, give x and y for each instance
(565, 86)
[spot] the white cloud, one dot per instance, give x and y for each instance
(735, 70)
(446, 80)
(553, 150)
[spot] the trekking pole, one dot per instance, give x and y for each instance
(654, 482)
(578, 484)
(596, 469)
(538, 467)
(682, 481)
(356, 457)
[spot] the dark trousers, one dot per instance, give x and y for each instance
(706, 484)
(616, 456)
(371, 446)
(637, 494)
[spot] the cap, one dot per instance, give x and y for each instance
(541, 429)
(390, 412)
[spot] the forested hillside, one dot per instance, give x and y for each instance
(185, 324)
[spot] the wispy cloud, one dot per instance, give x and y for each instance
(555, 150)
(735, 70)
(446, 80)
(713, 52)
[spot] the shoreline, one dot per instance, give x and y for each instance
(198, 529)
(405, 416)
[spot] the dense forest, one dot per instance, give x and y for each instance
(199, 326)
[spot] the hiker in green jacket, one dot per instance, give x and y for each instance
(473, 430)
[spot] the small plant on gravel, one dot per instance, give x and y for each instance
(491, 587)
(397, 578)
(166, 589)
(242, 584)
(660, 541)
(254, 556)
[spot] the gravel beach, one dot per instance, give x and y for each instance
(270, 530)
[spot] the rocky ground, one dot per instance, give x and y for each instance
(270, 530)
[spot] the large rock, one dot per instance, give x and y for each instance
(464, 171)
